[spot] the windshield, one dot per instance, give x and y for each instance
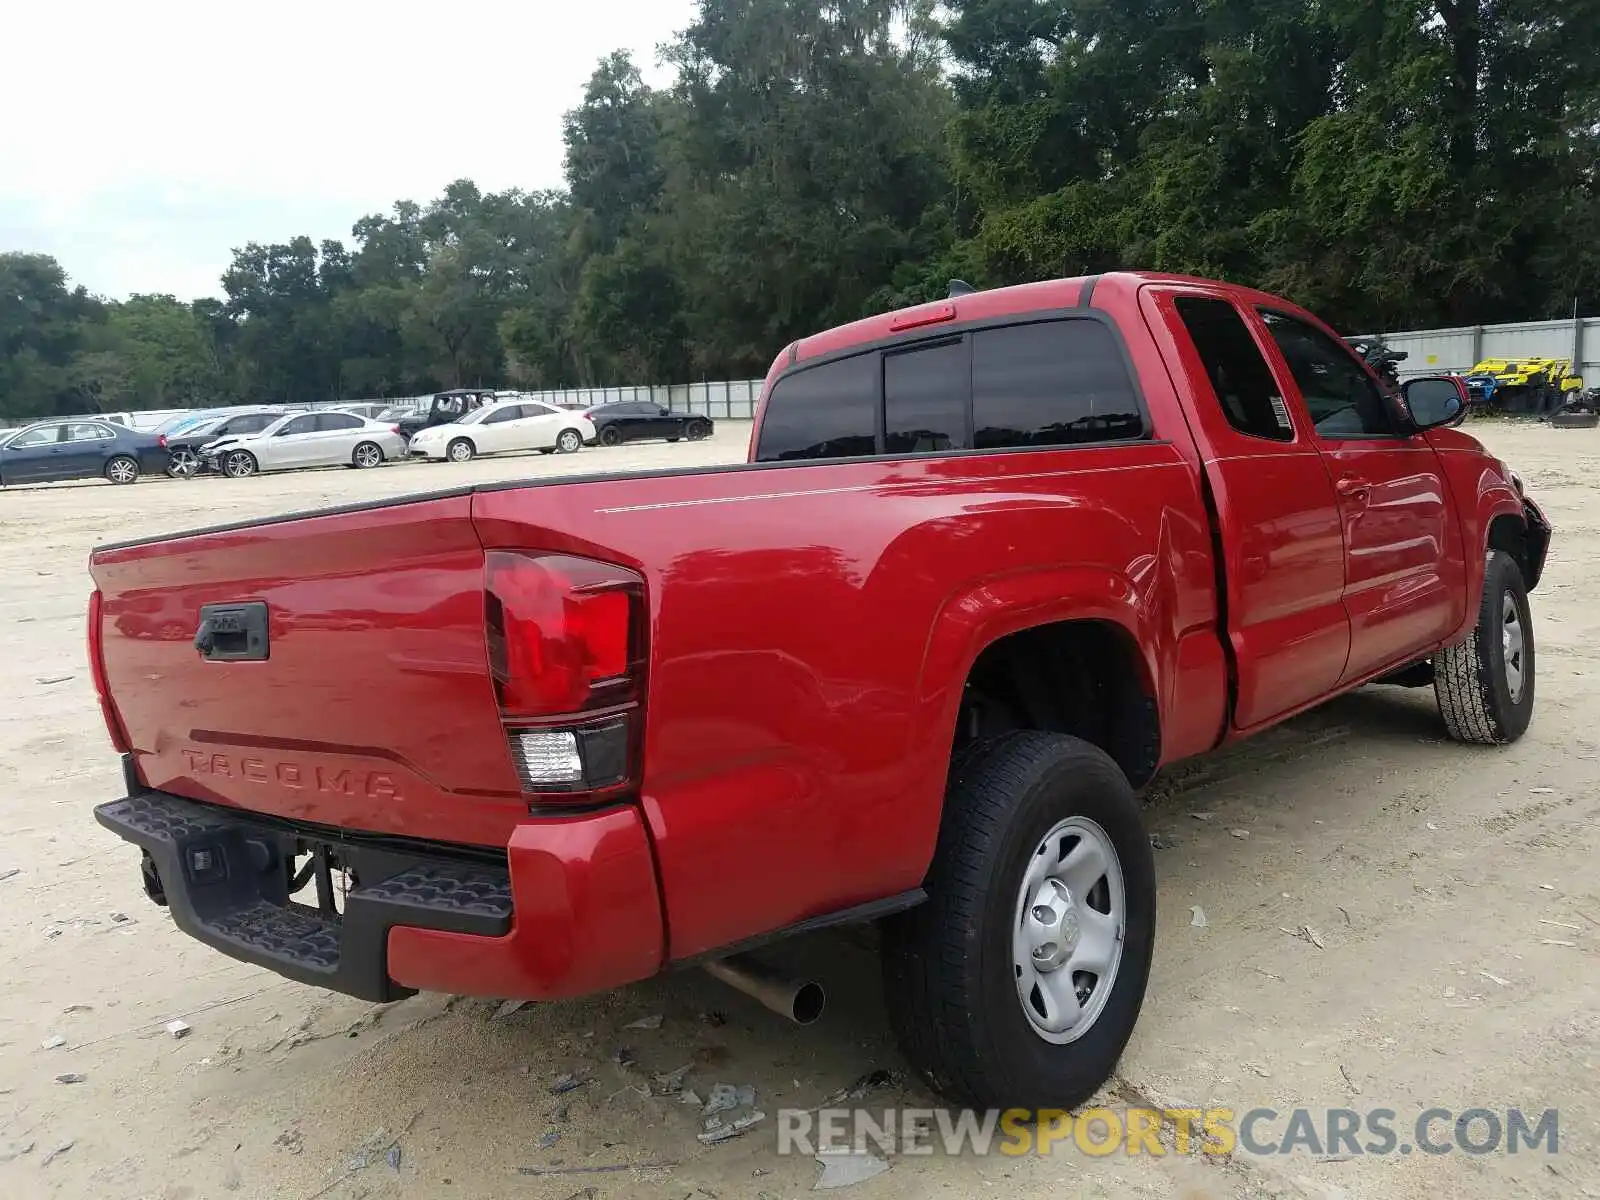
(472, 418)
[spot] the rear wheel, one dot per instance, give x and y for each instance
(460, 450)
(569, 441)
(239, 464)
(1485, 685)
(611, 436)
(1019, 981)
(367, 455)
(122, 469)
(183, 463)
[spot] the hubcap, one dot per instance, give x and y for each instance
(1068, 932)
(367, 456)
(122, 472)
(184, 462)
(460, 452)
(569, 441)
(239, 465)
(1512, 644)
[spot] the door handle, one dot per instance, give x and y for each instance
(1354, 490)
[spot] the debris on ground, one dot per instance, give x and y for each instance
(726, 1097)
(1555, 942)
(47, 680)
(1200, 816)
(1160, 841)
(587, 1193)
(549, 1139)
(846, 1168)
(54, 1042)
(120, 918)
(1495, 979)
(670, 1083)
(178, 1029)
(608, 1169)
(1541, 791)
(866, 1083)
(651, 1022)
(9, 872)
(714, 1019)
(1197, 917)
(509, 1007)
(1561, 924)
(733, 1129)
(59, 1149)
(392, 1157)
(1354, 1086)
(76, 1008)
(624, 1057)
(1312, 936)
(691, 1097)
(566, 1083)
(11, 1150)
(71, 1077)
(1240, 833)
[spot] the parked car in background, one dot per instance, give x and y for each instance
(367, 410)
(505, 428)
(636, 420)
(443, 408)
(186, 437)
(50, 451)
(308, 439)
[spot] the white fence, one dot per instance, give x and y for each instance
(1434, 351)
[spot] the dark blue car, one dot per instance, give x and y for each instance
(80, 448)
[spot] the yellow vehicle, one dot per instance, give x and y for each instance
(1512, 383)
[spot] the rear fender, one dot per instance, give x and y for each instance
(977, 617)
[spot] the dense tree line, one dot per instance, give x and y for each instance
(1390, 163)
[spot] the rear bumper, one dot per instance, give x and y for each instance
(572, 909)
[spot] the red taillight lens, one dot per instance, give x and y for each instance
(565, 633)
(395, 429)
(97, 670)
(161, 440)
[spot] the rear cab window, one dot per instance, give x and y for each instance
(1026, 384)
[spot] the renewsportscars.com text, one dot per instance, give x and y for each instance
(1219, 1132)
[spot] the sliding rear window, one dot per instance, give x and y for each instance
(1041, 384)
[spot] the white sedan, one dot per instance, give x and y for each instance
(309, 439)
(500, 428)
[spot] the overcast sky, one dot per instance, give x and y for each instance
(143, 141)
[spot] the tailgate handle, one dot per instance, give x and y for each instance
(232, 632)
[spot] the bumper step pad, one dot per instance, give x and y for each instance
(226, 879)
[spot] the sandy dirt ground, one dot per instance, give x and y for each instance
(1454, 894)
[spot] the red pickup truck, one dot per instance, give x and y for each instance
(993, 562)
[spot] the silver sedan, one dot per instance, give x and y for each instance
(310, 439)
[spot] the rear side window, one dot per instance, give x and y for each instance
(1239, 375)
(330, 421)
(1054, 383)
(925, 394)
(828, 411)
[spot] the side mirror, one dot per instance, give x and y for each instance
(1435, 400)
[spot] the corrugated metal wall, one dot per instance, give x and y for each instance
(1447, 350)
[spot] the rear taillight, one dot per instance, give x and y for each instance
(395, 429)
(161, 440)
(566, 649)
(97, 669)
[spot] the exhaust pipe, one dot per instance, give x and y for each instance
(800, 1000)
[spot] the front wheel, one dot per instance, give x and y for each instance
(570, 441)
(699, 430)
(366, 456)
(239, 464)
(1485, 685)
(1018, 982)
(123, 469)
(460, 450)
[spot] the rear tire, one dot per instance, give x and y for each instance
(569, 441)
(611, 436)
(122, 469)
(1485, 684)
(460, 450)
(183, 463)
(366, 455)
(956, 967)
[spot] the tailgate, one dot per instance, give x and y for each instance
(373, 708)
